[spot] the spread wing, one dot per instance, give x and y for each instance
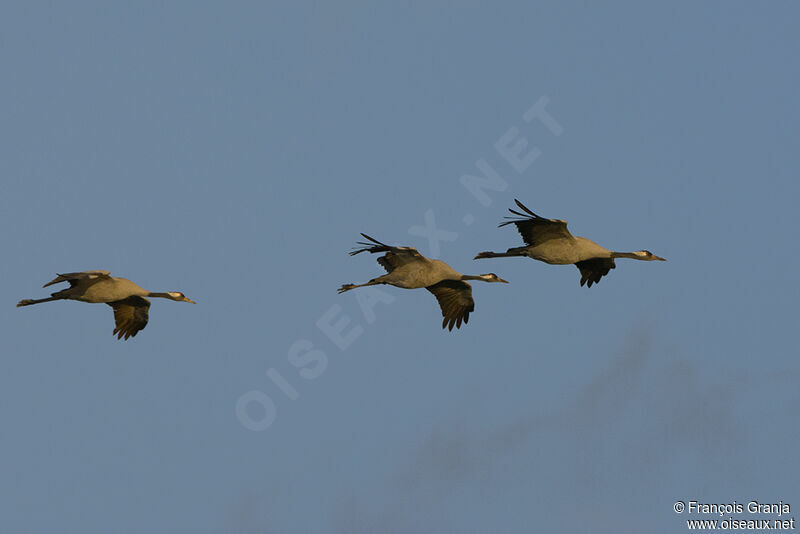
(536, 230)
(394, 257)
(593, 270)
(130, 316)
(73, 278)
(455, 300)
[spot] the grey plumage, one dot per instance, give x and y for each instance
(408, 269)
(126, 298)
(548, 240)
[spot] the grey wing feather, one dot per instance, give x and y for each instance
(534, 229)
(455, 300)
(394, 257)
(593, 270)
(130, 316)
(399, 257)
(73, 278)
(386, 263)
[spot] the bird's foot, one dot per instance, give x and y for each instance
(24, 302)
(345, 287)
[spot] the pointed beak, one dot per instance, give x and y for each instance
(501, 280)
(186, 299)
(659, 258)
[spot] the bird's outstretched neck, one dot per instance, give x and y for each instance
(491, 277)
(643, 255)
(172, 295)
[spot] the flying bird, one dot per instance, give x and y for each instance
(548, 240)
(408, 269)
(126, 298)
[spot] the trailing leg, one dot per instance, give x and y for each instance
(348, 287)
(518, 251)
(28, 302)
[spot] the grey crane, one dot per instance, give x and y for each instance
(408, 269)
(126, 298)
(548, 240)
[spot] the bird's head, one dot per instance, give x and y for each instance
(491, 277)
(648, 256)
(180, 297)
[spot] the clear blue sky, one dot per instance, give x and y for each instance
(235, 152)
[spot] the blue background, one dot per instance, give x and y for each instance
(235, 152)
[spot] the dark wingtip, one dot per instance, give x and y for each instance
(365, 236)
(523, 208)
